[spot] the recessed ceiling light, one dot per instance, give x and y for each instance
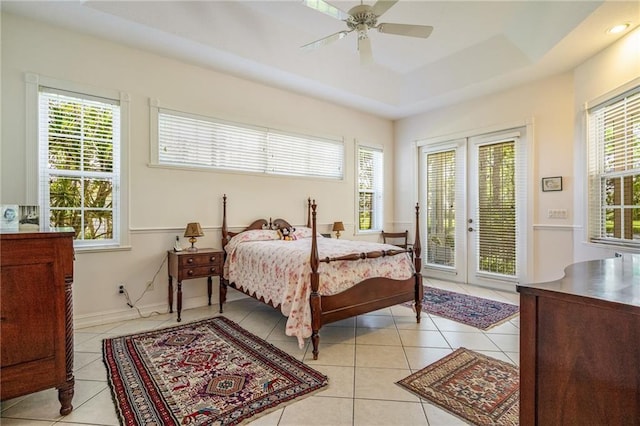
(618, 28)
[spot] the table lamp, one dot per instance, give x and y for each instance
(337, 228)
(193, 230)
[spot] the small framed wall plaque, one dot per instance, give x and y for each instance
(552, 183)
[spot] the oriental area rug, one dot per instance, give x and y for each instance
(210, 372)
(477, 388)
(466, 309)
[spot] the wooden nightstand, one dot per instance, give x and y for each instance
(185, 265)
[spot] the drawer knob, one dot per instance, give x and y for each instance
(213, 269)
(190, 272)
(213, 258)
(190, 260)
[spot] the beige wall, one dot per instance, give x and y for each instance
(163, 200)
(548, 104)
(608, 71)
(555, 105)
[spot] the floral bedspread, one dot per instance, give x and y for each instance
(279, 270)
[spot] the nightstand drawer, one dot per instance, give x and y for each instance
(200, 271)
(191, 260)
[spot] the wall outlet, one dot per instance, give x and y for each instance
(557, 213)
(121, 289)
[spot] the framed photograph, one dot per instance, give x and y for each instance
(552, 183)
(29, 218)
(9, 219)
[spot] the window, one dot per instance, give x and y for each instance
(194, 141)
(79, 146)
(614, 170)
(370, 188)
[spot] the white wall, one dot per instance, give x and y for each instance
(600, 75)
(163, 200)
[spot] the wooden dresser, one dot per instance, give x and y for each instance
(580, 346)
(36, 317)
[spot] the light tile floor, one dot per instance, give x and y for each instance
(363, 358)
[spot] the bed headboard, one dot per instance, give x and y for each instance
(257, 224)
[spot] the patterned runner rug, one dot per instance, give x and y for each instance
(475, 387)
(471, 310)
(210, 372)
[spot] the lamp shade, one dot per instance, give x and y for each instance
(338, 226)
(193, 230)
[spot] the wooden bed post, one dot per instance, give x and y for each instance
(225, 231)
(309, 212)
(225, 239)
(417, 262)
(314, 299)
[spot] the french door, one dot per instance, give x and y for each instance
(474, 191)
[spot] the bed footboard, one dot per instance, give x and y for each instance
(367, 296)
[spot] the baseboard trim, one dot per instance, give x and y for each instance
(126, 314)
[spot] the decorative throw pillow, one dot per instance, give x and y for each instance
(270, 226)
(252, 235)
(304, 232)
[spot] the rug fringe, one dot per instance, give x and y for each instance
(507, 319)
(282, 406)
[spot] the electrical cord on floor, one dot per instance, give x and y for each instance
(149, 284)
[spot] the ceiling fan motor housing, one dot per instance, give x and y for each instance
(361, 15)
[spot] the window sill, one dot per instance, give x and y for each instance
(100, 249)
(616, 246)
(372, 232)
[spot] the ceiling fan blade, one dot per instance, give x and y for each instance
(422, 31)
(364, 47)
(326, 8)
(324, 41)
(382, 6)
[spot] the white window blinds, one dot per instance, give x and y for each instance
(614, 170)
(497, 192)
(79, 164)
(196, 141)
(441, 210)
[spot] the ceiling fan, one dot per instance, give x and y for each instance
(361, 19)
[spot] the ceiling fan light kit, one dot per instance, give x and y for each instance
(361, 18)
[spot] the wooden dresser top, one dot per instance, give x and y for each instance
(615, 280)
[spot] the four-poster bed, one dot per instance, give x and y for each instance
(351, 278)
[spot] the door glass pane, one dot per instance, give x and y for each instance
(496, 227)
(441, 212)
